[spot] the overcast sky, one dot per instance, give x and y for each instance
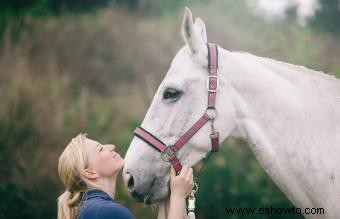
(271, 8)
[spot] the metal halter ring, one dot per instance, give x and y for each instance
(168, 154)
(194, 188)
(212, 113)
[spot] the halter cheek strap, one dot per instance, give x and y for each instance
(212, 78)
(168, 153)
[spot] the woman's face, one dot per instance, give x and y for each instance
(103, 159)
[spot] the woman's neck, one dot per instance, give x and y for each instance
(108, 185)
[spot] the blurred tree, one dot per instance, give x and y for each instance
(39, 7)
(327, 16)
(291, 13)
(150, 7)
(17, 10)
(75, 5)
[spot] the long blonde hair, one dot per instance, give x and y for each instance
(72, 162)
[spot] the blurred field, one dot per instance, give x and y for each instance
(97, 73)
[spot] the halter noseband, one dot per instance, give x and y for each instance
(168, 153)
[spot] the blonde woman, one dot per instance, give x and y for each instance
(89, 172)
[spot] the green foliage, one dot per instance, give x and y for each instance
(20, 201)
(20, 185)
(13, 10)
(327, 16)
(43, 7)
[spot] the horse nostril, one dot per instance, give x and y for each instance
(131, 182)
(138, 197)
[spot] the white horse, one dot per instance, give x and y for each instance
(288, 114)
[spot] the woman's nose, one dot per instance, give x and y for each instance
(110, 147)
(113, 147)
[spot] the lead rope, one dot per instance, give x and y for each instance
(191, 205)
(191, 198)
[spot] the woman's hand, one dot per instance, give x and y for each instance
(182, 184)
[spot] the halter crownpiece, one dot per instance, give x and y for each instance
(169, 153)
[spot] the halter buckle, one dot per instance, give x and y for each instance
(212, 89)
(168, 154)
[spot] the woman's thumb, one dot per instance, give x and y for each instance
(172, 172)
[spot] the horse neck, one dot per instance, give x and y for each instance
(284, 121)
(163, 209)
(288, 104)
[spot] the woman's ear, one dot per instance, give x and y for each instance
(90, 174)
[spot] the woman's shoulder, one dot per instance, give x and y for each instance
(104, 209)
(99, 207)
(111, 208)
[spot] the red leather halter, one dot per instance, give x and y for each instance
(168, 153)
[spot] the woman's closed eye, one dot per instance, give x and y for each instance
(108, 146)
(100, 146)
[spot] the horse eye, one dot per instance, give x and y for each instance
(172, 94)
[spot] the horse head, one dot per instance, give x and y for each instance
(179, 101)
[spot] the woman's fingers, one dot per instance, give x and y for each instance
(183, 183)
(189, 179)
(186, 173)
(189, 173)
(184, 170)
(172, 172)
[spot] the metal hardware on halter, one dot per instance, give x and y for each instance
(214, 136)
(194, 188)
(191, 202)
(212, 126)
(168, 154)
(210, 84)
(192, 199)
(212, 113)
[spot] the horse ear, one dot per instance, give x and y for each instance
(200, 27)
(193, 34)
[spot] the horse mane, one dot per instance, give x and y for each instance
(299, 75)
